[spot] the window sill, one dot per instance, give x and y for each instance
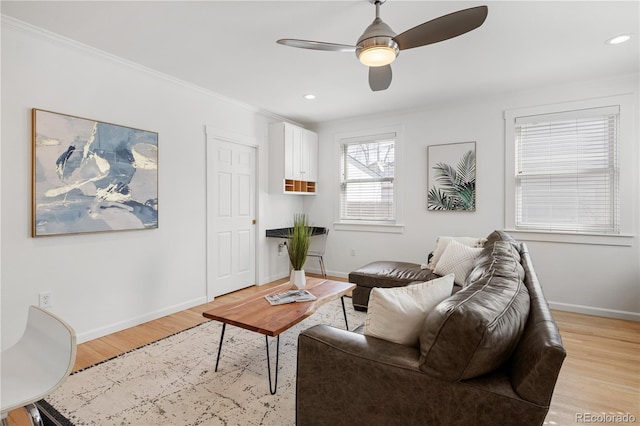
(369, 227)
(624, 240)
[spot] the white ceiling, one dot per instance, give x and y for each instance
(229, 47)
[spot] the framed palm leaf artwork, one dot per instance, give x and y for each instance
(452, 177)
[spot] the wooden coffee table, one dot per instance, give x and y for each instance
(254, 313)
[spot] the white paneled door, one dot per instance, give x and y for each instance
(231, 195)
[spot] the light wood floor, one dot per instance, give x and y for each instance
(600, 374)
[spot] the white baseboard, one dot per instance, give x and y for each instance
(591, 310)
(337, 274)
(271, 278)
(580, 309)
(113, 328)
(329, 273)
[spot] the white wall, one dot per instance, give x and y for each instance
(105, 282)
(594, 279)
(108, 281)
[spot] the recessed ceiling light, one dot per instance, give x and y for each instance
(619, 39)
(309, 96)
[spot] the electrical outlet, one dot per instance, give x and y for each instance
(46, 299)
(353, 252)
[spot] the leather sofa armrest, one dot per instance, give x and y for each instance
(346, 378)
(366, 348)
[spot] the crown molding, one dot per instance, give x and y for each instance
(8, 22)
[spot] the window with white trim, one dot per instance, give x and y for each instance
(367, 183)
(567, 171)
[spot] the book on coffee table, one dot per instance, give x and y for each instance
(290, 296)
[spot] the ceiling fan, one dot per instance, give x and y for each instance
(379, 46)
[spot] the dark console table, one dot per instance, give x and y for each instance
(286, 232)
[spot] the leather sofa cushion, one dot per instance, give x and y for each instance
(501, 236)
(475, 331)
(497, 254)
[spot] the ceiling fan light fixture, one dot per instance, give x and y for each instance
(377, 51)
(377, 56)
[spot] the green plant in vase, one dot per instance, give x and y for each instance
(298, 246)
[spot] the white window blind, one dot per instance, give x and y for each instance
(567, 172)
(367, 178)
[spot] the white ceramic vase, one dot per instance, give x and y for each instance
(297, 278)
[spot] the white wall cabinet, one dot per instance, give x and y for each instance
(293, 159)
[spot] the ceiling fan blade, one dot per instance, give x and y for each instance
(442, 28)
(316, 45)
(380, 77)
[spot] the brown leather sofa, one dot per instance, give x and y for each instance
(490, 354)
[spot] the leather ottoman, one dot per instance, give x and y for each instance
(384, 274)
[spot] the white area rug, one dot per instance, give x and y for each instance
(172, 381)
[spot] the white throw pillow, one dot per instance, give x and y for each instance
(443, 242)
(397, 314)
(457, 259)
